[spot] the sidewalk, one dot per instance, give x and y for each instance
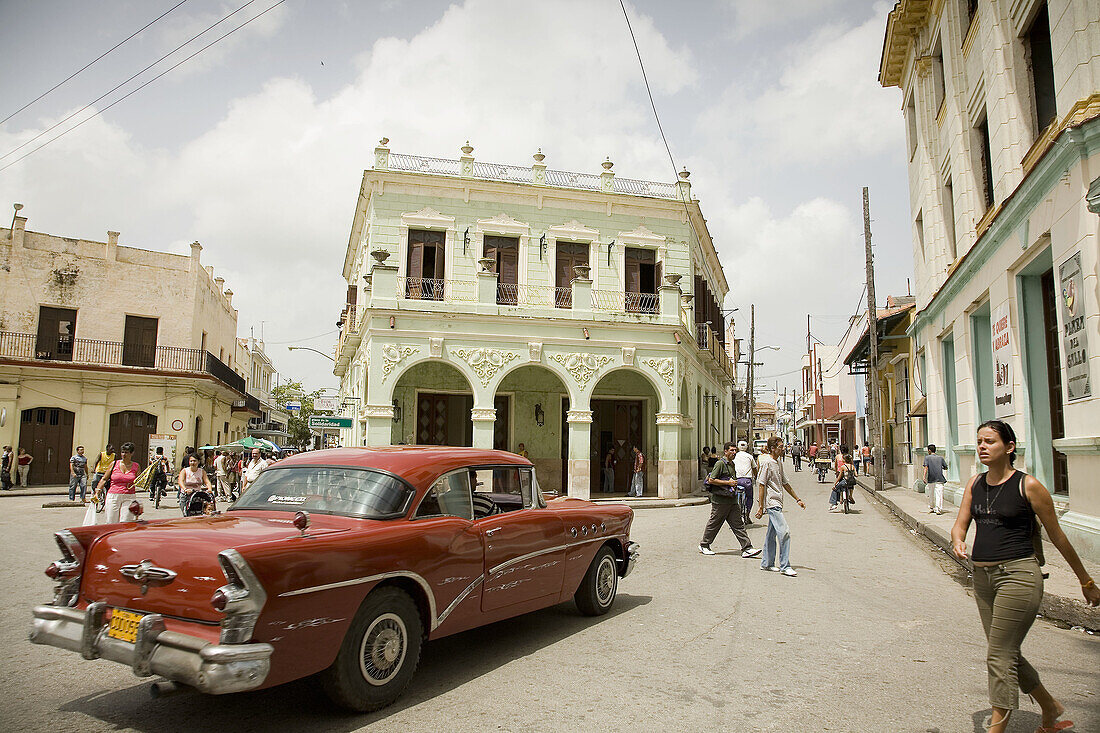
(1062, 599)
(58, 490)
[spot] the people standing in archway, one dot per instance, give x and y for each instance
(609, 471)
(5, 468)
(23, 466)
(637, 479)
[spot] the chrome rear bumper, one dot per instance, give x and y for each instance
(215, 669)
(632, 549)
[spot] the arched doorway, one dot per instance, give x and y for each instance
(624, 407)
(537, 399)
(47, 434)
(133, 426)
(434, 401)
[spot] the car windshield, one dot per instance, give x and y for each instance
(327, 490)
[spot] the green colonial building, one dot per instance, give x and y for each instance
(570, 315)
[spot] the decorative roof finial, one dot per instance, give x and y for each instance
(467, 148)
(607, 164)
(539, 157)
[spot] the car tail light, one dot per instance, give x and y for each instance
(66, 571)
(301, 521)
(241, 599)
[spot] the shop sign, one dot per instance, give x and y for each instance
(165, 441)
(1075, 341)
(326, 404)
(1003, 405)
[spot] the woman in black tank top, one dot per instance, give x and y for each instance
(1003, 504)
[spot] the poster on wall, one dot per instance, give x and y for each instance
(167, 442)
(1075, 338)
(1003, 405)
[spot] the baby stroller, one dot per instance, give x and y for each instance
(197, 503)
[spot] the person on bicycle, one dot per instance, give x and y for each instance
(745, 469)
(822, 462)
(724, 506)
(845, 482)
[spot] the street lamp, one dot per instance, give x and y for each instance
(315, 351)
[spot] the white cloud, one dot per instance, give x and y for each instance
(826, 106)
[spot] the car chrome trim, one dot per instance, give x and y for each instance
(370, 579)
(146, 573)
(244, 602)
(632, 552)
(459, 599)
(505, 565)
(211, 668)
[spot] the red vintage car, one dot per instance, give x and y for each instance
(338, 563)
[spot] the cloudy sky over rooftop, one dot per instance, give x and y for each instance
(256, 146)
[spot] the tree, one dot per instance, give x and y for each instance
(297, 425)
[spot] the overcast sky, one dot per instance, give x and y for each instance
(256, 147)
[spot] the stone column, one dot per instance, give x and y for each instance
(668, 301)
(484, 419)
(383, 293)
(486, 283)
(668, 460)
(580, 446)
(582, 289)
(379, 420)
(382, 155)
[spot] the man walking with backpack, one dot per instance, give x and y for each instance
(724, 507)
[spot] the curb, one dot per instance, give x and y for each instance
(1057, 607)
(44, 491)
(653, 503)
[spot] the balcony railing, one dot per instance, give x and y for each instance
(708, 341)
(519, 174)
(641, 302)
(451, 291)
(15, 345)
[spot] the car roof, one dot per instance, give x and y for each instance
(416, 464)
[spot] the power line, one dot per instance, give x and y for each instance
(145, 84)
(84, 68)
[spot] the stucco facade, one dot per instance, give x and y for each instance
(101, 342)
(571, 355)
(1003, 118)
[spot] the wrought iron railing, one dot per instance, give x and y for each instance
(641, 302)
(421, 288)
(28, 346)
(520, 174)
(609, 300)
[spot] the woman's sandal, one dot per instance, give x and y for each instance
(1060, 725)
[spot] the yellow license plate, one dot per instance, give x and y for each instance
(123, 625)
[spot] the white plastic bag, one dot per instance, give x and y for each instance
(89, 514)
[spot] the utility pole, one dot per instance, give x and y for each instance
(752, 368)
(872, 332)
(821, 414)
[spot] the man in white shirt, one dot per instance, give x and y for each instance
(773, 482)
(744, 470)
(221, 475)
(253, 469)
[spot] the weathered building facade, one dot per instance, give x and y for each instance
(497, 306)
(101, 342)
(1002, 108)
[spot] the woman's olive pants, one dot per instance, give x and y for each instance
(1008, 597)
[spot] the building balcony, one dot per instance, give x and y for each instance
(707, 340)
(28, 348)
(486, 296)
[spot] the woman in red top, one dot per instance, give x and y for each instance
(119, 484)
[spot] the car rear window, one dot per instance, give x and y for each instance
(347, 491)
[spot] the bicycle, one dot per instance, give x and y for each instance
(822, 468)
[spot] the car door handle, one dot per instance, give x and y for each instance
(491, 532)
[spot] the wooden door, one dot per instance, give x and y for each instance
(500, 427)
(1054, 379)
(47, 434)
(139, 342)
(135, 427)
(568, 256)
(56, 333)
(504, 251)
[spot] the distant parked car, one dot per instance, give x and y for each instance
(339, 563)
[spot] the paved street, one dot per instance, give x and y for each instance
(872, 635)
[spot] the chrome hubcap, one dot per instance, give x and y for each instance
(382, 651)
(605, 581)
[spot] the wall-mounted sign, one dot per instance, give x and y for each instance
(177, 424)
(165, 441)
(320, 422)
(293, 406)
(326, 404)
(1075, 338)
(1003, 401)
